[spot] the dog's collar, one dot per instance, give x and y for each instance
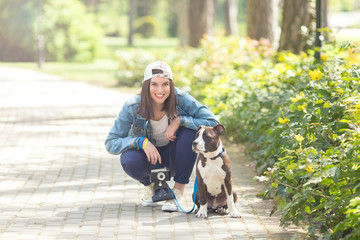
(219, 155)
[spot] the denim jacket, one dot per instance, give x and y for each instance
(129, 126)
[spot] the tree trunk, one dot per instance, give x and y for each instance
(210, 16)
(297, 31)
(92, 5)
(95, 5)
(356, 4)
(325, 13)
(183, 18)
(260, 19)
(132, 15)
(40, 34)
(325, 22)
(145, 7)
(231, 13)
(201, 20)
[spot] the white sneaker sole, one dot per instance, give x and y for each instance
(149, 204)
(169, 208)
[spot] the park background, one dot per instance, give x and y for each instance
(293, 105)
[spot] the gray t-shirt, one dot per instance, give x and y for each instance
(159, 128)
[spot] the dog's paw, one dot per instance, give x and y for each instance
(222, 211)
(201, 215)
(235, 213)
(202, 212)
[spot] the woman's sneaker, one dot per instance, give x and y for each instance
(170, 205)
(146, 199)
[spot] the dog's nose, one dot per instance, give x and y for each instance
(194, 144)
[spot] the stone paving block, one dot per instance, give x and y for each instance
(106, 232)
(85, 237)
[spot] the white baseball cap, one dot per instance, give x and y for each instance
(167, 73)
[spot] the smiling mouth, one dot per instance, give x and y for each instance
(159, 95)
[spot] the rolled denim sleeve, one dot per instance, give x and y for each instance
(118, 140)
(197, 114)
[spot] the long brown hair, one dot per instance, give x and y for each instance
(145, 108)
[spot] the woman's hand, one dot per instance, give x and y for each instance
(170, 133)
(152, 153)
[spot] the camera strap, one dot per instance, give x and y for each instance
(194, 193)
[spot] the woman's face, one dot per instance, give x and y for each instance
(159, 89)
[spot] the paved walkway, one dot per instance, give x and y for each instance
(58, 182)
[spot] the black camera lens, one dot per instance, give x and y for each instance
(161, 176)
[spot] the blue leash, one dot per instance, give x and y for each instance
(177, 203)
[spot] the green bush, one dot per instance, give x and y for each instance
(146, 26)
(302, 117)
(315, 142)
(70, 34)
(132, 65)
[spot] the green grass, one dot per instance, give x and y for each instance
(355, 25)
(344, 38)
(147, 43)
(99, 73)
(102, 71)
(112, 44)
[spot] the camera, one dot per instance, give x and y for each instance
(159, 176)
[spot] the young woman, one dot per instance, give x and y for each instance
(147, 124)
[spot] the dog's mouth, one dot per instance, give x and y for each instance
(195, 149)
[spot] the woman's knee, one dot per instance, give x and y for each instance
(135, 164)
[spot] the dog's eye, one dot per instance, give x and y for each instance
(208, 137)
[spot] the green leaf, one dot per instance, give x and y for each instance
(319, 101)
(292, 107)
(327, 181)
(310, 200)
(292, 166)
(289, 175)
(344, 121)
(336, 176)
(326, 168)
(327, 105)
(333, 171)
(324, 93)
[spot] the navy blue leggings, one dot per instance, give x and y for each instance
(136, 165)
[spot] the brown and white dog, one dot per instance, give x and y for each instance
(213, 171)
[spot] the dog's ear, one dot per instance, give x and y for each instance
(199, 128)
(220, 129)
